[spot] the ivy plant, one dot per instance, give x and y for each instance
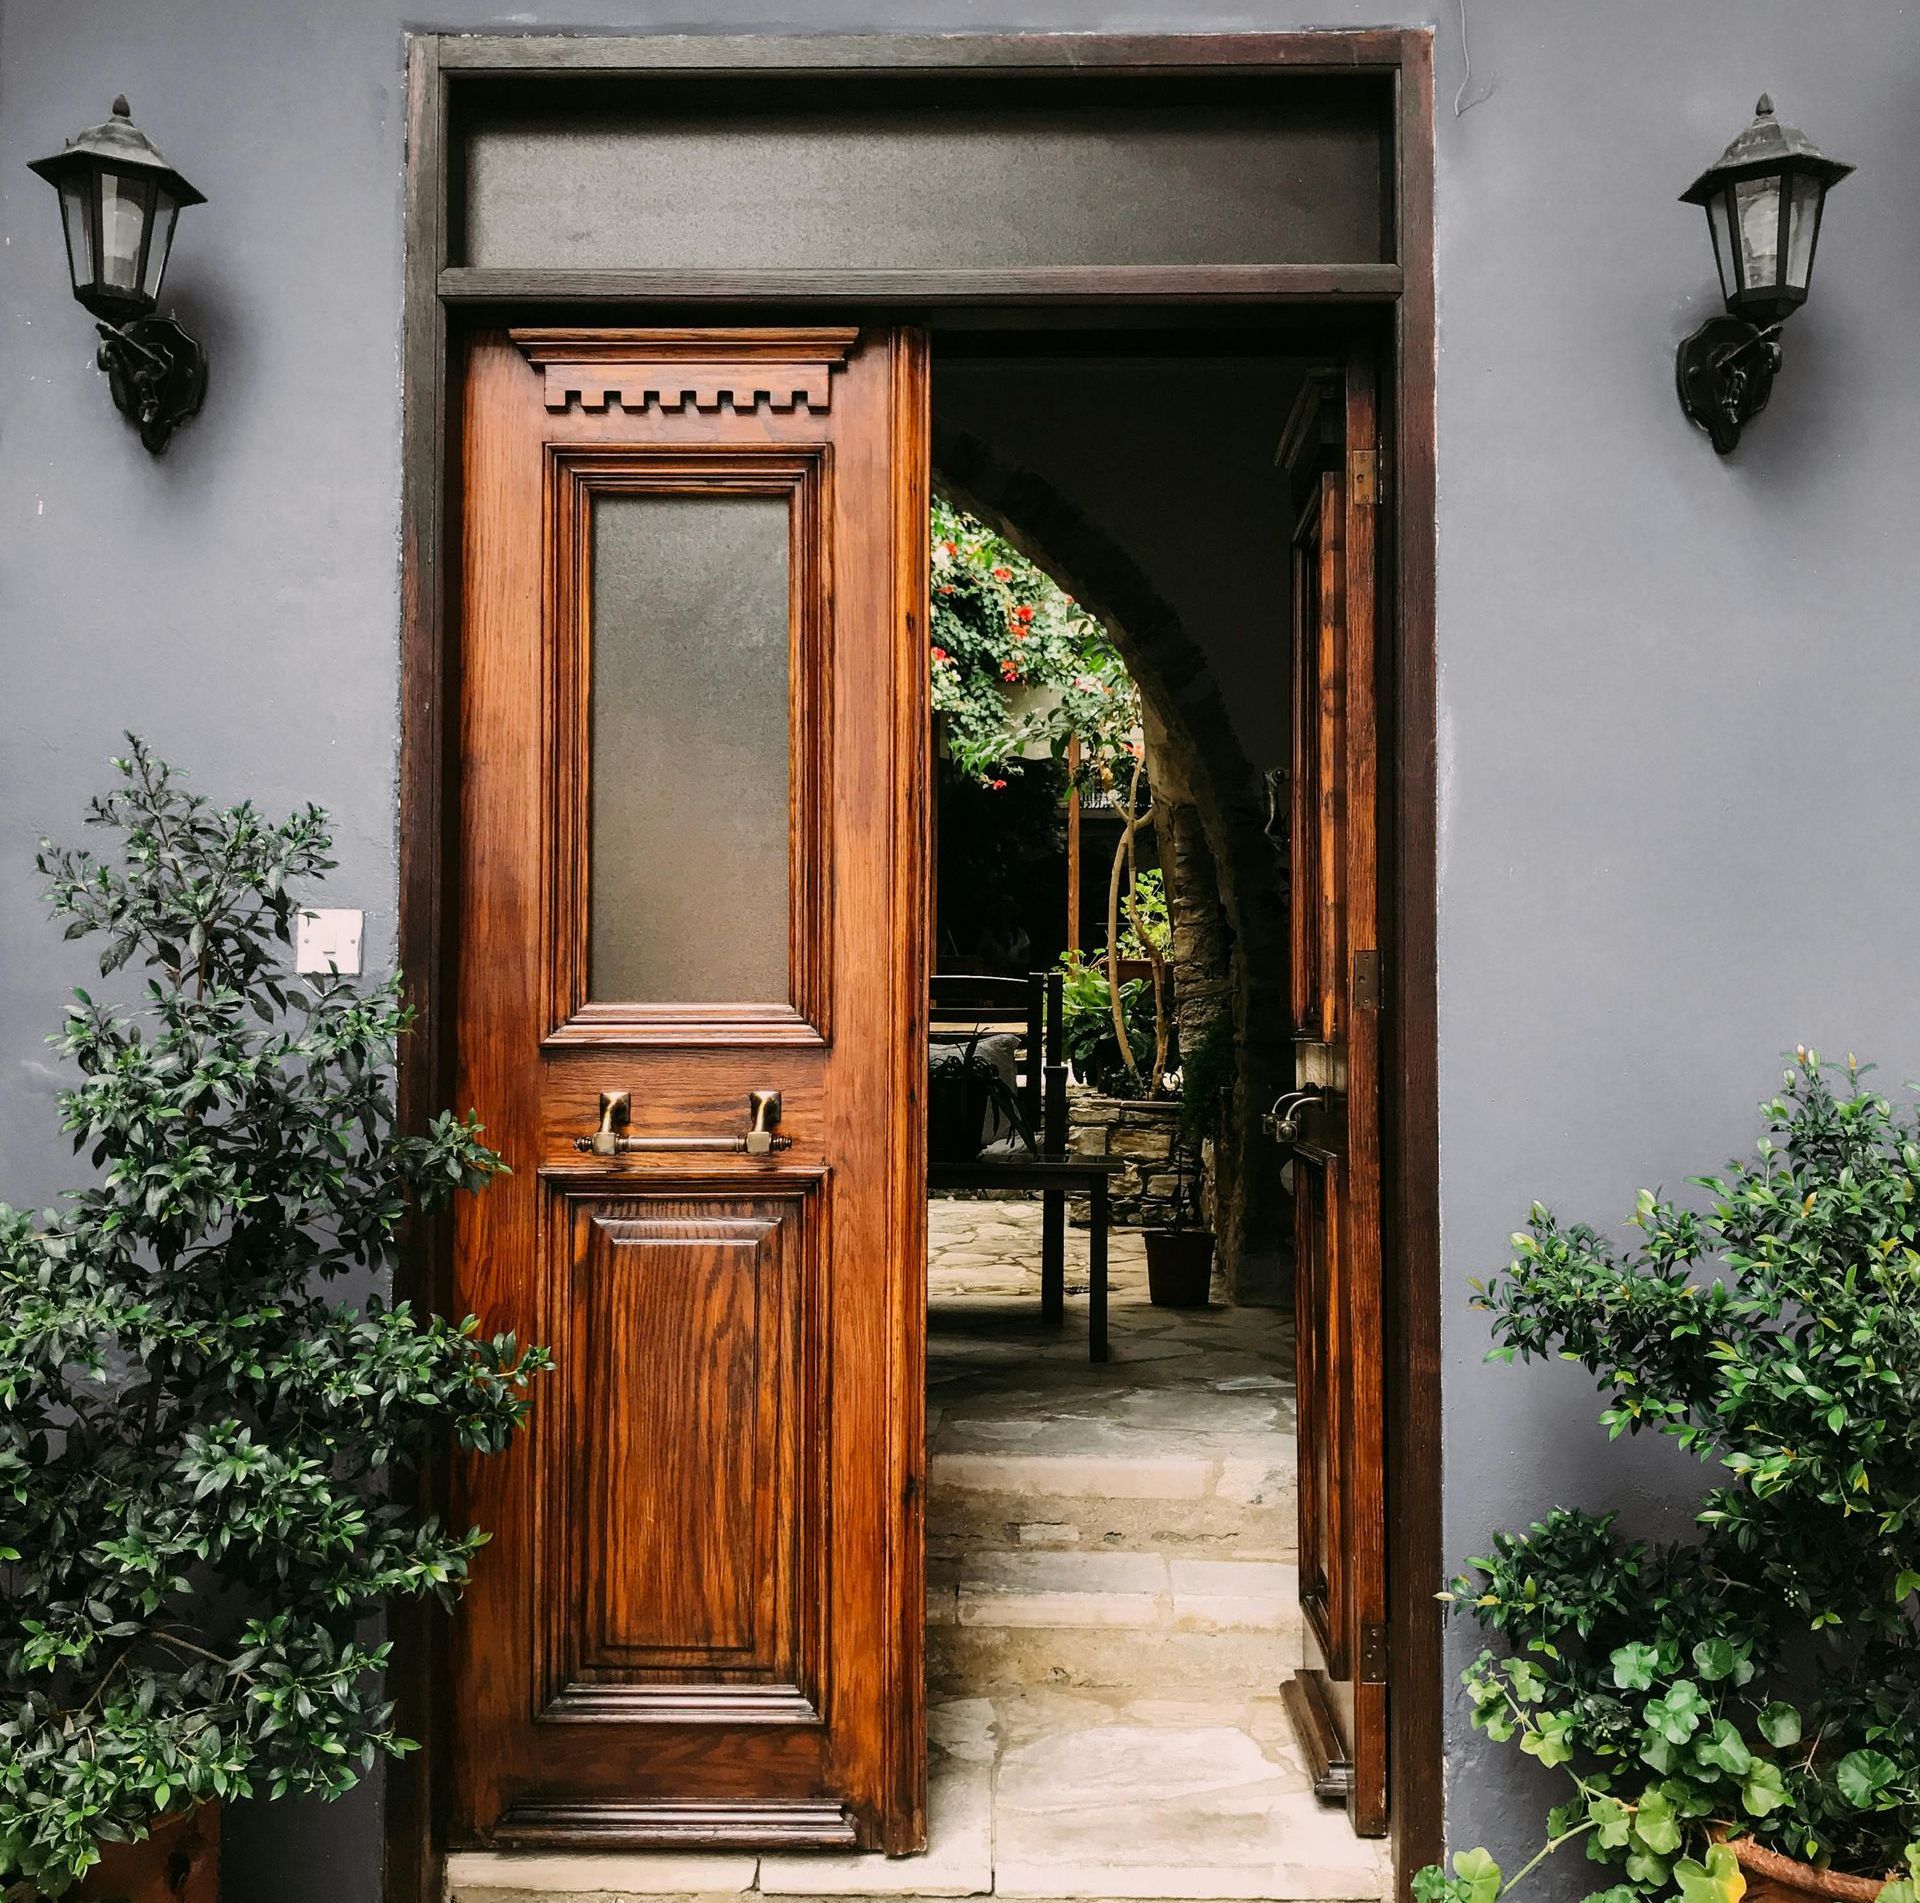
(1762, 1679)
(202, 1447)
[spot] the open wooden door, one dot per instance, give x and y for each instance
(1331, 1122)
(690, 1005)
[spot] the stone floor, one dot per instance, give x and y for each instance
(1111, 1612)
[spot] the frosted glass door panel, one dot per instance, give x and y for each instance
(690, 875)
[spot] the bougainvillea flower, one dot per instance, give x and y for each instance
(1023, 614)
(1009, 670)
(940, 654)
(1003, 574)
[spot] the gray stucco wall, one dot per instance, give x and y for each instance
(1676, 694)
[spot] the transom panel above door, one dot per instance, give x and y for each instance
(690, 1005)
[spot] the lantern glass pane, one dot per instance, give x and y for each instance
(73, 210)
(1757, 206)
(1719, 223)
(1803, 221)
(165, 211)
(123, 221)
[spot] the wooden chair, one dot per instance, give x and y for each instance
(1032, 1009)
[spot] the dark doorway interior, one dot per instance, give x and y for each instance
(1112, 1547)
(1139, 470)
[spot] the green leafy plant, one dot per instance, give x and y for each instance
(1087, 1027)
(202, 1452)
(1001, 625)
(1761, 1681)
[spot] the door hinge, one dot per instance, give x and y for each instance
(1374, 1652)
(1367, 476)
(1368, 981)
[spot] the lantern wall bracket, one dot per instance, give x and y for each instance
(1725, 374)
(157, 373)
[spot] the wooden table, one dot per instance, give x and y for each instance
(1055, 1176)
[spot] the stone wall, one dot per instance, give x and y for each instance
(1150, 1192)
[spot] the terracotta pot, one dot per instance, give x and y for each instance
(1774, 1878)
(1179, 1267)
(178, 1863)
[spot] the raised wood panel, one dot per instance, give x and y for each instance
(1323, 1594)
(689, 1543)
(683, 1393)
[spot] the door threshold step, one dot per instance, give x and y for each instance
(1116, 1591)
(484, 1877)
(1237, 1477)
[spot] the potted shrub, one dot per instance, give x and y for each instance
(1180, 1258)
(1739, 1711)
(202, 1450)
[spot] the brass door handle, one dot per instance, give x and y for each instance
(760, 1138)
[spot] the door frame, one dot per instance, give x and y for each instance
(1397, 297)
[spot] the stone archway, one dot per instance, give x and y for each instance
(1230, 914)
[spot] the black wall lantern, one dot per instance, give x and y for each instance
(119, 199)
(1763, 197)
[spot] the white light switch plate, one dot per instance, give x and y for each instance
(328, 941)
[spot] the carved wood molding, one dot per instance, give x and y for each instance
(677, 369)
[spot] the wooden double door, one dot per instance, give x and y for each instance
(690, 996)
(690, 999)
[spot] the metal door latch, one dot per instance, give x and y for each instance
(763, 1113)
(760, 1138)
(1285, 1122)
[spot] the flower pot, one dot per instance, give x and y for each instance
(1775, 1878)
(179, 1862)
(1179, 1267)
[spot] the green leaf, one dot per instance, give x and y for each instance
(1478, 1871)
(1612, 1822)
(1634, 1666)
(1715, 1879)
(1715, 1659)
(1676, 1715)
(1723, 1749)
(1780, 1725)
(1764, 1790)
(1528, 1684)
(1550, 1741)
(1862, 1777)
(1656, 1827)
